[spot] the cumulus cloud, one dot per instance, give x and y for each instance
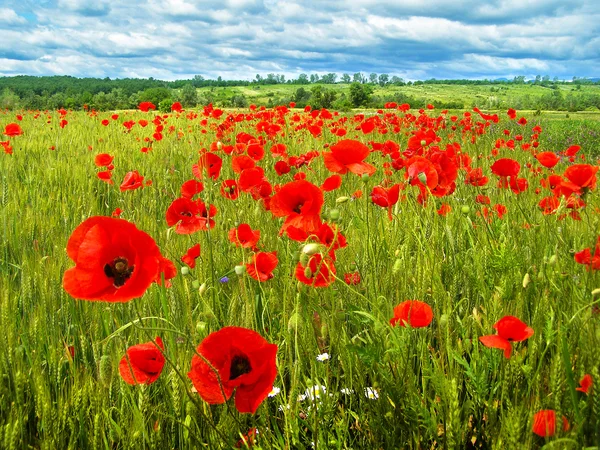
(237, 39)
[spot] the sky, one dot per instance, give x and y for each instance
(238, 39)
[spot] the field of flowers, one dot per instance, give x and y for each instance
(297, 278)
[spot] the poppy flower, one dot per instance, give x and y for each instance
(416, 313)
(475, 177)
(146, 106)
(114, 260)
(143, 363)
(386, 198)
(348, 155)
(585, 384)
(549, 205)
(300, 202)
(244, 236)
(191, 188)
(282, 167)
(234, 359)
(184, 213)
(7, 147)
(166, 271)
(444, 209)
(190, 257)
(13, 129)
(506, 167)
(206, 214)
(176, 107)
(544, 423)
(582, 175)
(209, 163)
(229, 189)
(318, 272)
(352, 278)
(547, 159)
(106, 176)
(262, 265)
(133, 180)
(585, 257)
(103, 160)
(331, 183)
(509, 329)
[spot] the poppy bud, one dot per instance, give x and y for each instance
(397, 252)
(423, 142)
(296, 256)
(422, 177)
(553, 260)
(201, 327)
(364, 177)
(311, 249)
(341, 200)
(596, 291)
(303, 258)
(202, 289)
(185, 270)
(219, 145)
(397, 266)
(324, 331)
(239, 270)
(294, 322)
(196, 284)
(465, 209)
(334, 215)
(444, 320)
(526, 280)
(308, 273)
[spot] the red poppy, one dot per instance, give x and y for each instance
(282, 167)
(482, 199)
(352, 278)
(186, 214)
(241, 163)
(416, 313)
(475, 177)
(300, 202)
(244, 236)
(114, 260)
(444, 209)
(262, 265)
(511, 113)
(13, 129)
(146, 106)
(7, 147)
(348, 156)
(549, 205)
(332, 183)
(585, 257)
(143, 363)
(544, 423)
(229, 189)
(506, 167)
(190, 257)
(191, 188)
(234, 358)
(585, 384)
(106, 176)
(166, 271)
(206, 215)
(386, 198)
(510, 329)
(547, 159)
(318, 272)
(582, 175)
(176, 107)
(209, 163)
(133, 180)
(103, 159)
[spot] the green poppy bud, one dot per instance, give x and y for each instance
(196, 284)
(341, 200)
(239, 270)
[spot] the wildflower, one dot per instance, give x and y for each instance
(234, 359)
(323, 357)
(114, 260)
(544, 423)
(143, 363)
(133, 180)
(190, 257)
(371, 393)
(13, 129)
(585, 384)
(274, 392)
(510, 329)
(262, 265)
(416, 313)
(348, 156)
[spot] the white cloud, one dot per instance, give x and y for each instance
(10, 17)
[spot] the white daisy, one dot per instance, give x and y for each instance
(323, 357)
(371, 393)
(274, 391)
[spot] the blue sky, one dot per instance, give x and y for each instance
(237, 39)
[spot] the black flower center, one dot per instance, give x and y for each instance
(120, 270)
(240, 365)
(298, 208)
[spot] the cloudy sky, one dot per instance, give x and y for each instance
(237, 39)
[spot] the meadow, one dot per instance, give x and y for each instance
(323, 228)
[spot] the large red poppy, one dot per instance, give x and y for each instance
(191, 255)
(209, 164)
(386, 198)
(544, 423)
(510, 329)
(415, 313)
(234, 359)
(318, 272)
(582, 175)
(262, 265)
(114, 260)
(506, 167)
(132, 181)
(146, 106)
(348, 156)
(143, 363)
(300, 202)
(103, 159)
(13, 129)
(547, 159)
(585, 257)
(244, 236)
(184, 213)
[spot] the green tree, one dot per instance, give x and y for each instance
(384, 78)
(346, 78)
(373, 78)
(189, 96)
(359, 94)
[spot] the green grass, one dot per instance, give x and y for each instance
(438, 387)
